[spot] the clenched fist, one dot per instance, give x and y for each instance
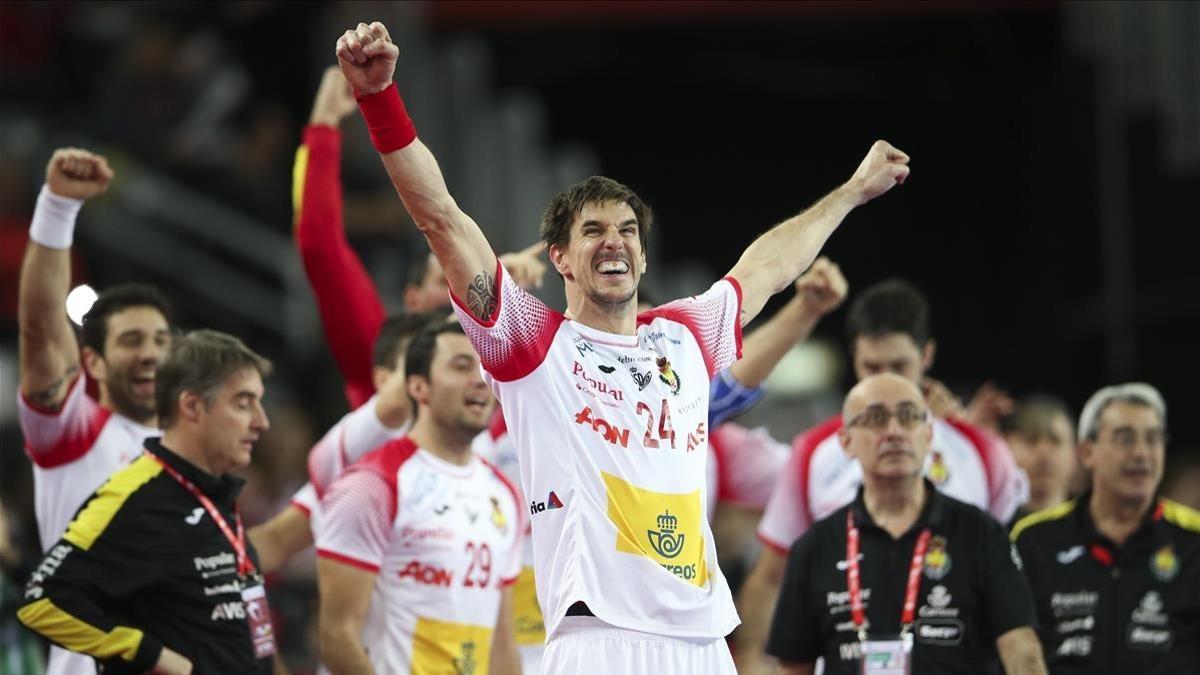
(822, 288)
(883, 168)
(77, 173)
(335, 100)
(367, 57)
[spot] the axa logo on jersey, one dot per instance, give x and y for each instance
(552, 502)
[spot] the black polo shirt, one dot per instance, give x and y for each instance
(971, 590)
(1104, 608)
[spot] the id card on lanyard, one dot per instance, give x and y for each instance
(884, 656)
(254, 595)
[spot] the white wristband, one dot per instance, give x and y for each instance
(53, 223)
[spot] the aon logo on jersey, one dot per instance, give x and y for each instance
(662, 526)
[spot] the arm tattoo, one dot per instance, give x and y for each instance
(481, 296)
(49, 396)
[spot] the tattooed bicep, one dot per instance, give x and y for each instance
(52, 395)
(481, 296)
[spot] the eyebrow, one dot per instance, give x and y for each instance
(597, 223)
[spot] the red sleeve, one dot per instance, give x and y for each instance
(1008, 486)
(349, 304)
(57, 437)
(713, 318)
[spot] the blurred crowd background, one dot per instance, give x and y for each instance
(1051, 215)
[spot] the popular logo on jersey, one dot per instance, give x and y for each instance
(662, 526)
(667, 374)
(1164, 564)
(552, 502)
(498, 518)
(640, 378)
(938, 472)
(595, 385)
(937, 559)
(664, 540)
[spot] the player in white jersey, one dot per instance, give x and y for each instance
(609, 409)
(385, 416)
(74, 441)
(419, 542)
(888, 330)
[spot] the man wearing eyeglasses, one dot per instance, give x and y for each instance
(904, 579)
(1115, 573)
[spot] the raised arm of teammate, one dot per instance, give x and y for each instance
(347, 300)
(49, 354)
(819, 291)
(368, 60)
(776, 258)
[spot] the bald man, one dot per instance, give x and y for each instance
(904, 579)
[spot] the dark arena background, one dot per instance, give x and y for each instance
(1051, 215)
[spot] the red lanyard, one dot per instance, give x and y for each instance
(244, 565)
(854, 582)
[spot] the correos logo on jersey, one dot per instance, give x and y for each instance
(662, 526)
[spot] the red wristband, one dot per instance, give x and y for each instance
(388, 122)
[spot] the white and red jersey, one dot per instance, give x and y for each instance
(820, 477)
(443, 539)
(611, 435)
(744, 465)
(74, 450)
(357, 433)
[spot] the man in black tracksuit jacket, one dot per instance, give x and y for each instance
(145, 576)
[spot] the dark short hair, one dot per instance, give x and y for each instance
(200, 361)
(397, 331)
(1034, 415)
(115, 299)
(890, 306)
(418, 358)
(555, 228)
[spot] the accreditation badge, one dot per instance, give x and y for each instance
(886, 657)
(258, 619)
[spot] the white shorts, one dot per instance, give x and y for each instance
(585, 645)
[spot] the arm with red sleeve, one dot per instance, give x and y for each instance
(349, 304)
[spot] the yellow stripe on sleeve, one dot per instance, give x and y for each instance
(99, 512)
(1183, 516)
(46, 618)
(1052, 513)
(299, 171)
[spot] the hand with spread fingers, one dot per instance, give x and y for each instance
(367, 57)
(78, 174)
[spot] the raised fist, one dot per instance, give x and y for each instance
(883, 168)
(77, 174)
(334, 100)
(822, 288)
(367, 57)
(941, 401)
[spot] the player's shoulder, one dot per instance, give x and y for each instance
(1182, 517)
(386, 459)
(1045, 525)
(819, 438)
(954, 430)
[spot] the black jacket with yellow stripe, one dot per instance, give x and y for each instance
(143, 565)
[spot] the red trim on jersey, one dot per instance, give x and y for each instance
(772, 544)
(386, 461)
(681, 316)
(73, 444)
(505, 583)
(307, 511)
(737, 324)
(717, 440)
(347, 560)
(523, 361)
(985, 445)
(498, 426)
(806, 444)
